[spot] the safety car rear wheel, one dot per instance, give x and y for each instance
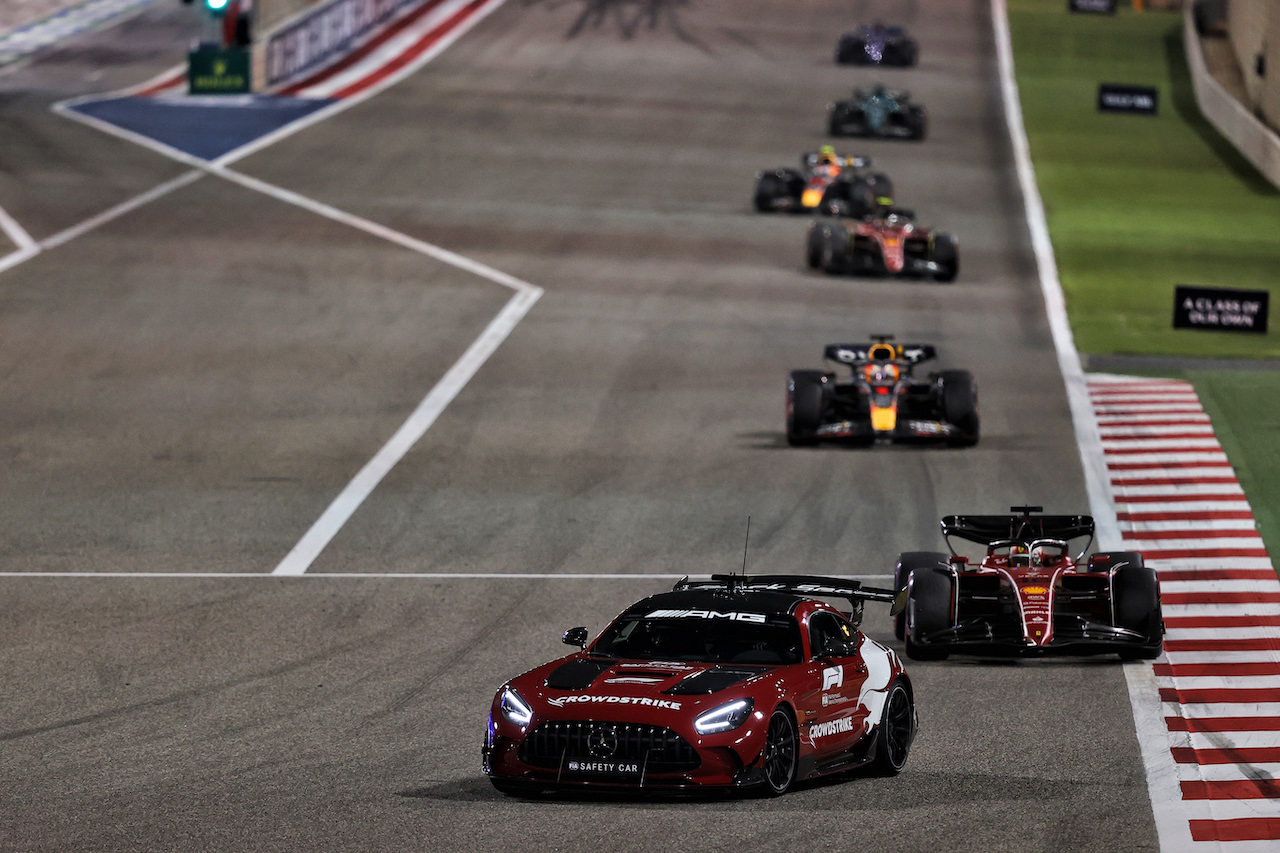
(896, 731)
(928, 611)
(781, 753)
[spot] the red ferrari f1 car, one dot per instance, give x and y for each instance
(888, 243)
(736, 682)
(1027, 595)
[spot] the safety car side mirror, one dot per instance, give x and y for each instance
(575, 637)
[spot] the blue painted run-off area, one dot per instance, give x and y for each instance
(206, 127)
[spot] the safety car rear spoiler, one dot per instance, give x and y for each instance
(812, 585)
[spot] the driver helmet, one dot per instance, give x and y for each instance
(827, 156)
(1041, 556)
(881, 372)
(1019, 556)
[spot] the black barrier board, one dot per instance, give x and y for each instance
(1220, 309)
(218, 71)
(1114, 98)
(1093, 7)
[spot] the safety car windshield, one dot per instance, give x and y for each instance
(703, 636)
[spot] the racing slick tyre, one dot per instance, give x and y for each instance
(946, 254)
(928, 611)
(1135, 600)
(959, 395)
(850, 51)
(896, 731)
(882, 188)
(917, 122)
(804, 406)
(813, 238)
(770, 186)
(854, 199)
(907, 562)
(781, 754)
(845, 120)
(835, 249)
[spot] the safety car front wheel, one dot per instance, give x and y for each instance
(780, 753)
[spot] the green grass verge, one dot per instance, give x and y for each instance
(1137, 205)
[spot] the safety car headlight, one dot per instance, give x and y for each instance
(515, 709)
(726, 718)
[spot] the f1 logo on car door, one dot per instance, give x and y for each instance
(833, 722)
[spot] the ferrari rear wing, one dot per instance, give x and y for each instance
(1022, 527)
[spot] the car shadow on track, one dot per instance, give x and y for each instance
(872, 792)
(628, 16)
(777, 440)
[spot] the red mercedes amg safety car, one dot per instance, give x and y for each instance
(1027, 595)
(736, 682)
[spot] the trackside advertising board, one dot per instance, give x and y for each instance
(1095, 7)
(1115, 98)
(324, 34)
(219, 71)
(1220, 309)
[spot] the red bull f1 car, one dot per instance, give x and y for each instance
(737, 682)
(1026, 594)
(880, 399)
(887, 243)
(876, 44)
(826, 183)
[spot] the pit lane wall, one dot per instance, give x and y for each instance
(1233, 119)
(297, 38)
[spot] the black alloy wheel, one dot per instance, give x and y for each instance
(780, 753)
(897, 728)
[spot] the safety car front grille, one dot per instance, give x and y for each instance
(656, 749)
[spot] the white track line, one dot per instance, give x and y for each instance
(597, 576)
(299, 559)
(15, 232)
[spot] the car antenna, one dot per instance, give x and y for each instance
(744, 548)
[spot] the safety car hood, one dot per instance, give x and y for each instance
(585, 681)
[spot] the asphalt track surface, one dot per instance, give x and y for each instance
(185, 390)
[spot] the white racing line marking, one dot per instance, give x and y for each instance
(15, 232)
(300, 558)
